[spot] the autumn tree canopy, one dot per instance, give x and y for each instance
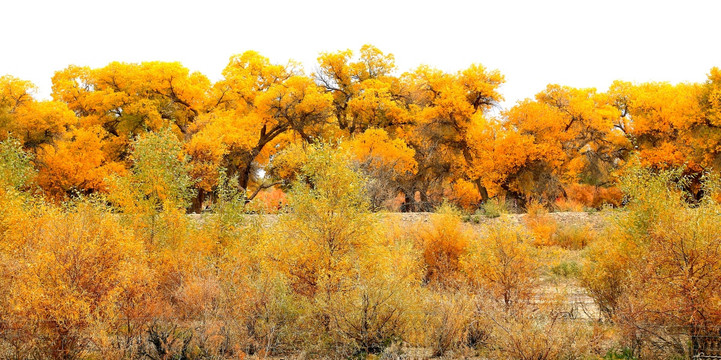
(419, 137)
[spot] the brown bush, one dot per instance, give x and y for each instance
(538, 333)
(448, 322)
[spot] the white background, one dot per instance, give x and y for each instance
(533, 43)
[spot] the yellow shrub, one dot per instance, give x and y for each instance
(541, 225)
(501, 264)
(573, 237)
(568, 205)
(590, 196)
(465, 194)
(443, 242)
(77, 276)
(269, 201)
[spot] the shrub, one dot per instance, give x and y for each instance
(372, 315)
(541, 225)
(538, 333)
(156, 192)
(574, 237)
(443, 241)
(566, 205)
(464, 194)
(449, 322)
(494, 208)
(608, 196)
(501, 263)
(327, 222)
(75, 284)
(641, 272)
(589, 196)
(604, 272)
(329, 248)
(269, 201)
(16, 170)
(581, 194)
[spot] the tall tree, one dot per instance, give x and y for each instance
(257, 105)
(115, 104)
(572, 138)
(659, 120)
(446, 106)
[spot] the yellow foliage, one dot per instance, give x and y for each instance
(465, 195)
(326, 227)
(444, 241)
(76, 163)
(363, 90)
(32, 122)
(129, 274)
(501, 264)
(573, 237)
(591, 196)
(269, 201)
(78, 275)
(540, 224)
(376, 149)
(564, 205)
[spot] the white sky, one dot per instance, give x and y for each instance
(533, 43)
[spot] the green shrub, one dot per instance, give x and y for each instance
(622, 354)
(494, 208)
(566, 269)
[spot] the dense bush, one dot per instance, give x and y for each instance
(657, 273)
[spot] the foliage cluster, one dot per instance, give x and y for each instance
(421, 137)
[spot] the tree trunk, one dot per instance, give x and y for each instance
(247, 166)
(481, 190)
(479, 186)
(425, 204)
(197, 206)
(410, 202)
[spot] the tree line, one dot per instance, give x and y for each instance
(421, 137)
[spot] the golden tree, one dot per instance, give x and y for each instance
(570, 137)
(334, 256)
(445, 107)
(365, 92)
(259, 106)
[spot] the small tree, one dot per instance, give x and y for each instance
(334, 256)
(327, 221)
(158, 185)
